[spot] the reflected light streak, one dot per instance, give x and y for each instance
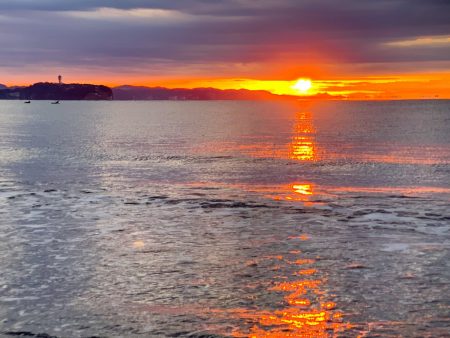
(303, 189)
(303, 145)
(300, 318)
(307, 272)
(294, 192)
(298, 192)
(305, 314)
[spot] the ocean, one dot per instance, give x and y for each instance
(225, 219)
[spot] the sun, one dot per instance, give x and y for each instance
(302, 85)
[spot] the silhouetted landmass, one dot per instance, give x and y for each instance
(2, 86)
(161, 93)
(54, 91)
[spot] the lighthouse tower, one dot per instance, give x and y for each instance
(59, 79)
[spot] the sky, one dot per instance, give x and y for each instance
(355, 49)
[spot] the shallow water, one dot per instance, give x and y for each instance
(225, 219)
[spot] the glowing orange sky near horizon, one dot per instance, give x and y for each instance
(416, 86)
(379, 87)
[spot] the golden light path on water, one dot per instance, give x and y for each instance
(303, 147)
(307, 311)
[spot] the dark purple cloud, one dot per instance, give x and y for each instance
(202, 35)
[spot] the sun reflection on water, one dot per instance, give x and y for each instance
(303, 189)
(303, 144)
(293, 192)
(306, 311)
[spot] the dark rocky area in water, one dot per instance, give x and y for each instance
(55, 91)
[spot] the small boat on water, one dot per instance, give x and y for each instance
(27, 102)
(56, 102)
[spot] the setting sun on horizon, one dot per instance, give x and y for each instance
(302, 86)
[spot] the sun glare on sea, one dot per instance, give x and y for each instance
(302, 85)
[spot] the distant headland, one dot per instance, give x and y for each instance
(74, 91)
(57, 91)
(162, 93)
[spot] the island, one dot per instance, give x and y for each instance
(57, 91)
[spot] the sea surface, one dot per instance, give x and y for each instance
(225, 219)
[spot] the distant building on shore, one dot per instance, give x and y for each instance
(59, 79)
